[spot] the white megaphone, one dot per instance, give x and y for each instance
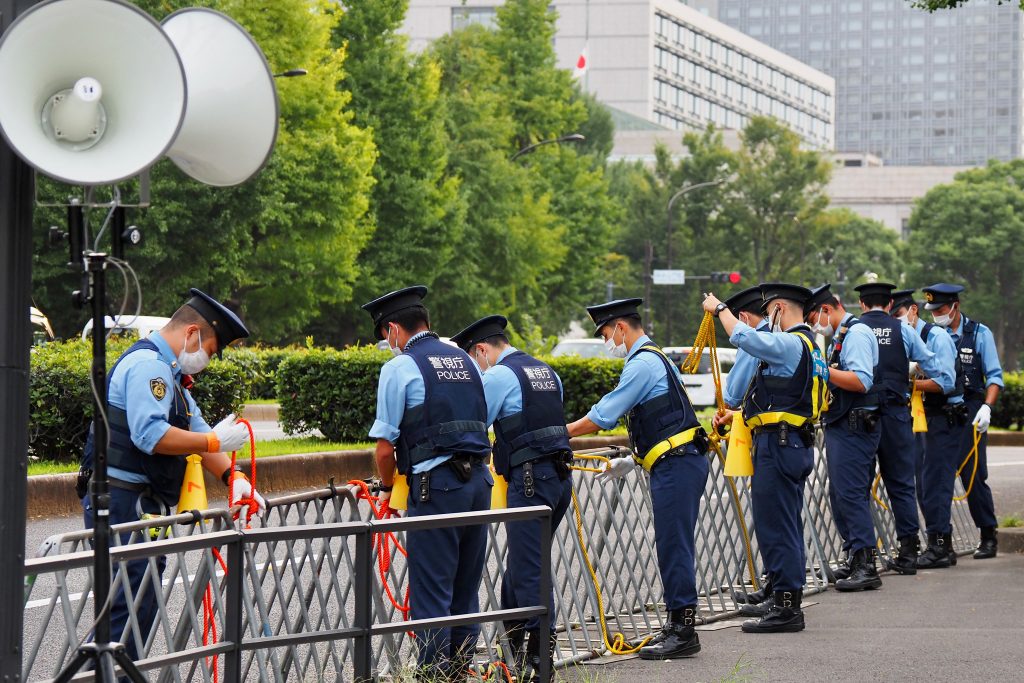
(95, 91)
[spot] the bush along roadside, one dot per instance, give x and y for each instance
(1009, 409)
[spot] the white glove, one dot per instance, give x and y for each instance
(243, 489)
(619, 467)
(231, 435)
(983, 419)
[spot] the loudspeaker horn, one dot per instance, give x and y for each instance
(93, 91)
(231, 117)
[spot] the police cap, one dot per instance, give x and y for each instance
(393, 302)
(903, 298)
(817, 297)
(874, 288)
(226, 325)
(750, 299)
(482, 329)
(940, 295)
(782, 290)
(602, 314)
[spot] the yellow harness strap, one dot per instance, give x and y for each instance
(663, 447)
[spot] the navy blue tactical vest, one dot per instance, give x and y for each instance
(891, 378)
(937, 399)
(164, 472)
(785, 398)
(651, 422)
(452, 418)
(974, 373)
(844, 401)
(539, 430)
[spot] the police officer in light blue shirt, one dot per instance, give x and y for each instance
(851, 434)
(531, 450)
(670, 444)
(154, 423)
(430, 427)
(746, 306)
(938, 448)
(983, 377)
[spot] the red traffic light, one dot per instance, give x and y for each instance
(735, 277)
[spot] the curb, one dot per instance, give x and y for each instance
(53, 495)
(260, 412)
(1006, 439)
(1011, 540)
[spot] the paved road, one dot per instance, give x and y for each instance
(960, 624)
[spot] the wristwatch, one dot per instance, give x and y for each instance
(719, 308)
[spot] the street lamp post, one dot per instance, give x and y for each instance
(572, 137)
(668, 231)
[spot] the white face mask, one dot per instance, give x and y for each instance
(484, 362)
(192, 362)
(395, 349)
(905, 318)
(776, 318)
(943, 320)
(616, 350)
(823, 330)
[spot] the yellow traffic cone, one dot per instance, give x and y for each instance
(738, 460)
(399, 493)
(499, 492)
(193, 488)
(917, 412)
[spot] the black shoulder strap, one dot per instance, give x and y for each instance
(926, 331)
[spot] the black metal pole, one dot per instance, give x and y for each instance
(16, 196)
(362, 645)
(547, 619)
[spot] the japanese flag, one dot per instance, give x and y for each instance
(582, 63)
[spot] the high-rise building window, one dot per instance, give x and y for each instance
(467, 16)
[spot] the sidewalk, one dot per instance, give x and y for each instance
(960, 624)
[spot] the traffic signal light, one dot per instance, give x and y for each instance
(732, 277)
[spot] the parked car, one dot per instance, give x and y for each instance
(584, 348)
(700, 387)
(41, 330)
(131, 325)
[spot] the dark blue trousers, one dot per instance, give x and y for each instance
(938, 473)
(677, 487)
(979, 500)
(445, 565)
(777, 494)
(897, 463)
(851, 470)
(521, 584)
(123, 509)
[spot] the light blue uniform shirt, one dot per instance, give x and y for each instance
(780, 352)
(147, 417)
(985, 346)
(401, 387)
(502, 390)
(929, 363)
(742, 372)
(940, 343)
(643, 378)
(859, 353)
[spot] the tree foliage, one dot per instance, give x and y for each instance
(934, 5)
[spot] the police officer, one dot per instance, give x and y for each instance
(670, 444)
(945, 414)
(851, 434)
(531, 450)
(153, 424)
(898, 344)
(780, 405)
(983, 375)
(430, 422)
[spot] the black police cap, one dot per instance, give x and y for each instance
(750, 299)
(903, 298)
(226, 325)
(393, 302)
(875, 288)
(818, 296)
(782, 290)
(604, 313)
(482, 329)
(941, 294)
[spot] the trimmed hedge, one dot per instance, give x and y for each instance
(260, 367)
(1009, 410)
(336, 391)
(60, 396)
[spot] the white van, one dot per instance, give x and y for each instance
(587, 347)
(133, 325)
(700, 387)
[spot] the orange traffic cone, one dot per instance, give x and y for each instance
(193, 488)
(738, 460)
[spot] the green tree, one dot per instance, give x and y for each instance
(933, 5)
(284, 244)
(971, 232)
(846, 248)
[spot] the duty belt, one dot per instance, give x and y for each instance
(663, 447)
(778, 417)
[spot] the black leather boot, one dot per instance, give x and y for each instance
(948, 540)
(863, 573)
(989, 546)
(759, 609)
(936, 555)
(681, 640)
(755, 597)
(843, 567)
(906, 560)
(785, 615)
(535, 649)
